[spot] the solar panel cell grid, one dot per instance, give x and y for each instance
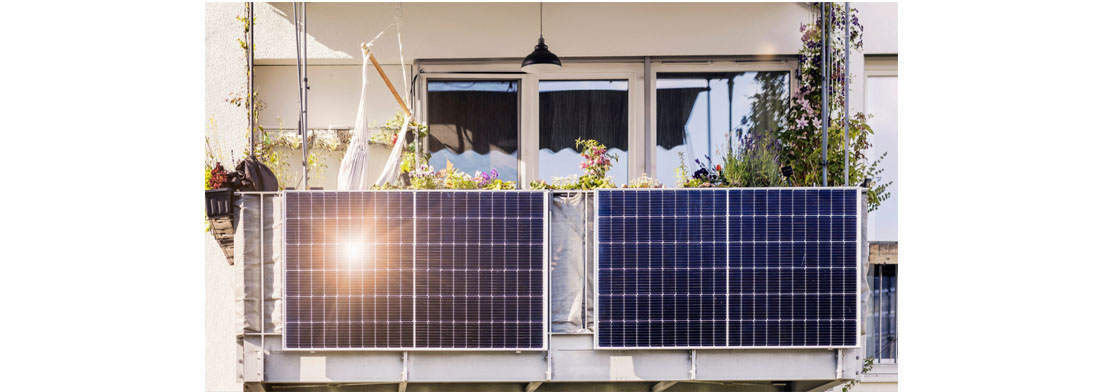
(727, 268)
(414, 270)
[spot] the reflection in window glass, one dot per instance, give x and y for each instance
(698, 113)
(583, 109)
(881, 333)
(474, 125)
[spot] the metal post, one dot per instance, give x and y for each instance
(306, 92)
(261, 299)
(846, 93)
(647, 113)
(729, 132)
(299, 84)
(251, 101)
(825, 86)
(301, 76)
(708, 124)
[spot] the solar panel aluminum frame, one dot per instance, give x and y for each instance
(545, 255)
(858, 274)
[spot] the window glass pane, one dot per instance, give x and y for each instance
(881, 103)
(696, 112)
(474, 125)
(583, 109)
(881, 333)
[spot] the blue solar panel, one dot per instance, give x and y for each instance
(714, 268)
(409, 270)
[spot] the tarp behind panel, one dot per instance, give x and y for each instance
(258, 243)
(571, 248)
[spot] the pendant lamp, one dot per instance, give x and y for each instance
(541, 60)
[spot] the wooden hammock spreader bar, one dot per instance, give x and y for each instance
(386, 80)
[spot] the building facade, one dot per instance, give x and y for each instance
(630, 70)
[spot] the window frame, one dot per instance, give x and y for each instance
(422, 103)
(640, 74)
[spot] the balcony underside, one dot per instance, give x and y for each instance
(571, 358)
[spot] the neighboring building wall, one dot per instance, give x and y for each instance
(227, 129)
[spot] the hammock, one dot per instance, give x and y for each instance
(354, 174)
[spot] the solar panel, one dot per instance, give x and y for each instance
(727, 268)
(415, 270)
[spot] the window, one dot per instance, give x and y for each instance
(583, 109)
(474, 125)
(700, 115)
(881, 103)
(881, 334)
(486, 114)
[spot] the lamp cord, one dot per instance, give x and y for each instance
(542, 19)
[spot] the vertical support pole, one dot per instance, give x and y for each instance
(708, 123)
(586, 257)
(693, 364)
(648, 144)
(846, 93)
(306, 93)
(405, 371)
(548, 365)
(839, 363)
(301, 76)
(825, 88)
(261, 297)
(731, 85)
(251, 101)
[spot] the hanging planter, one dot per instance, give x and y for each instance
(219, 202)
(220, 217)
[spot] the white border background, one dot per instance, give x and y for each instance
(1000, 220)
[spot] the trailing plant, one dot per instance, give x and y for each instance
(802, 137)
(868, 363)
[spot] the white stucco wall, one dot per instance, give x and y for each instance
(224, 68)
(507, 30)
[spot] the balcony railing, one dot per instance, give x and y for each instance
(570, 355)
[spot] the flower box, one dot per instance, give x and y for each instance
(219, 202)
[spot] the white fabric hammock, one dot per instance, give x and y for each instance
(354, 173)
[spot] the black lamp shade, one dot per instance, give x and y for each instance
(541, 60)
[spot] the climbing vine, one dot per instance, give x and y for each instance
(802, 136)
